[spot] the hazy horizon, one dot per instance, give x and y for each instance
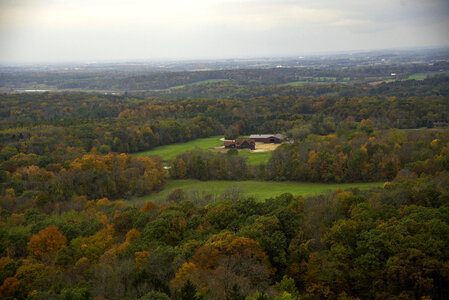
(60, 31)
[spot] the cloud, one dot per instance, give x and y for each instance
(39, 30)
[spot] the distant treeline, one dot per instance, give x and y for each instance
(125, 81)
(432, 86)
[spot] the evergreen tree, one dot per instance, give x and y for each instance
(188, 291)
(235, 294)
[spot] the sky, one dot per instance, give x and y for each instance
(56, 31)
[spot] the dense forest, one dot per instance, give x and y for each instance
(72, 225)
(384, 243)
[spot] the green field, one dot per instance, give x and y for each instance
(296, 83)
(418, 76)
(325, 78)
(259, 189)
(169, 152)
(316, 80)
(302, 83)
(255, 158)
(199, 83)
(422, 76)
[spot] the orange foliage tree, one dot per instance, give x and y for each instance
(231, 260)
(46, 243)
(8, 287)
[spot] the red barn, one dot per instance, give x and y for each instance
(240, 144)
(268, 138)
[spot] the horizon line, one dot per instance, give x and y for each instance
(308, 54)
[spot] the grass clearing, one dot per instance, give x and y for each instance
(326, 78)
(198, 83)
(316, 80)
(256, 158)
(418, 76)
(209, 81)
(259, 189)
(422, 76)
(296, 83)
(168, 152)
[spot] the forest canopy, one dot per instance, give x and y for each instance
(74, 225)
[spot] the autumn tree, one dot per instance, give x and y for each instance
(178, 168)
(231, 260)
(8, 287)
(46, 243)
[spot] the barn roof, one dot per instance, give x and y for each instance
(266, 136)
(239, 142)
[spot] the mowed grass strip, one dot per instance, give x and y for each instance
(261, 190)
(168, 152)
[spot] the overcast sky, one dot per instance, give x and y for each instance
(118, 30)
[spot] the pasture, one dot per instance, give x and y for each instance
(422, 76)
(316, 80)
(198, 83)
(168, 152)
(259, 189)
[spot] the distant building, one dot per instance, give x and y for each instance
(437, 123)
(440, 124)
(240, 144)
(268, 138)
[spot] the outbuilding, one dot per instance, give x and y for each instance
(267, 138)
(240, 144)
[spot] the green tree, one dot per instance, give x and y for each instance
(155, 295)
(235, 294)
(188, 291)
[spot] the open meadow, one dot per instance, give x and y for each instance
(259, 189)
(198, 83)
(168, 152)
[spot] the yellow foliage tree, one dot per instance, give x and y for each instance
(94, 246)
(435, 143)
(141, 257)
(187, 269)
(103, 202)
(131, 236)
(4, 261)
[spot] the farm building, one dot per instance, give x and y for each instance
(267, 138)
(240, 144)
